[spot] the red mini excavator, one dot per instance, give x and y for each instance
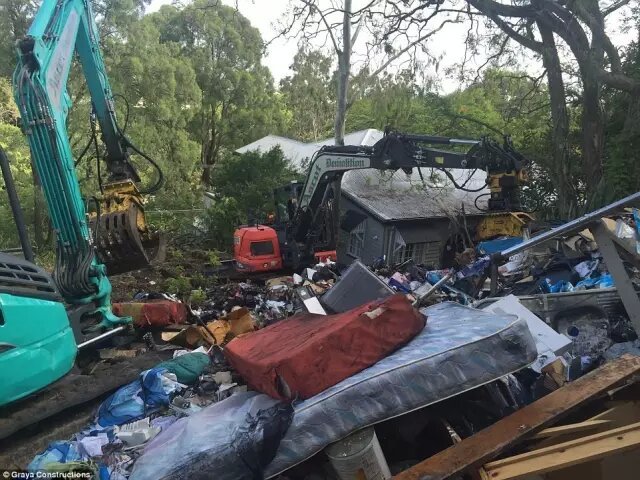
(305, 228)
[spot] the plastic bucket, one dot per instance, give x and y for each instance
(359, 457)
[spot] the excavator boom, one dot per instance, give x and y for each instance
(114, 238)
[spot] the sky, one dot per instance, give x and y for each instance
(448, 43)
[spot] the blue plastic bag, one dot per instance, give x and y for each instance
(561, 286)
(137, 399)
(603, 281)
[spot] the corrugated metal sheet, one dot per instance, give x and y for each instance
(396, 196)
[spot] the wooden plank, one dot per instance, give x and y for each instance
(621, 467)
(562, 455)
(624, 414)
(618, 416)
(625, 287)
(485, 445)
(571, 428)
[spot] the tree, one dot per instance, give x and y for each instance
(310, 95)
(580, 24)
(15, 16)
(397, 29)
(244, 190)
(622, 161)
(238, 102)
(335, 24)
(159, 112)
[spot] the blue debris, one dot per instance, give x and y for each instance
(499, 244)
(137, 399)
(56, 452)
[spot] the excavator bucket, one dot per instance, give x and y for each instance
(123, 239)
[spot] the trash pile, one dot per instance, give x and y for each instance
(267, 374)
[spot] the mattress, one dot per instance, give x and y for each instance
(460, 348)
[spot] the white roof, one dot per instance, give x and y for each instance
(297, 151)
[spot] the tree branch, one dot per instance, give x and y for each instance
(501, 9)
(614, 7)
(597, 29)
(408, 47)
(312, 6)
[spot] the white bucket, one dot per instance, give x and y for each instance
(359, 457)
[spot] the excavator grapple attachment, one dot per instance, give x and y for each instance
(123, 239)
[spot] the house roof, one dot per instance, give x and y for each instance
(396, 196)
(296, 151)
(361, 137)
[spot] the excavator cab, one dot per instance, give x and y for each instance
(260, 248)
(286, 201)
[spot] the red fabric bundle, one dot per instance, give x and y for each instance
(306, 354)
(157, 313)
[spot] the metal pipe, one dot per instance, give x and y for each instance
(101, 337)
(14, 201)
(569, 226)
(434, 287)
(435, 140)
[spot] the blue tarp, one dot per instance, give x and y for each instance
(492, 246)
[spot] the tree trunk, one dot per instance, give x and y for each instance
(592, 133)
(344, 70)
(560, 123)
(592, 115)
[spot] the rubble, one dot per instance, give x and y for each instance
(256, 325)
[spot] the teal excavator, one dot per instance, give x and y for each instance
(44, 318)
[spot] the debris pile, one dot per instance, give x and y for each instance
(276, 371)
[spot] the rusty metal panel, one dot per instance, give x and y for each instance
(485, 445)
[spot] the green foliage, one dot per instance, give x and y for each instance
(178, 285)
(238, 103)
(622, 162)
(197, 297)
(244, 192)
(214, 258)
(12, 141)
(15, 16)
(310, 95)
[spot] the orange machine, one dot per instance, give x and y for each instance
(256, 249)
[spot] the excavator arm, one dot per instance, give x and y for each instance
(116, 237)
(315, 221)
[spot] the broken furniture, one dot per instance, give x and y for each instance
(459, 349)
(531, 422)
